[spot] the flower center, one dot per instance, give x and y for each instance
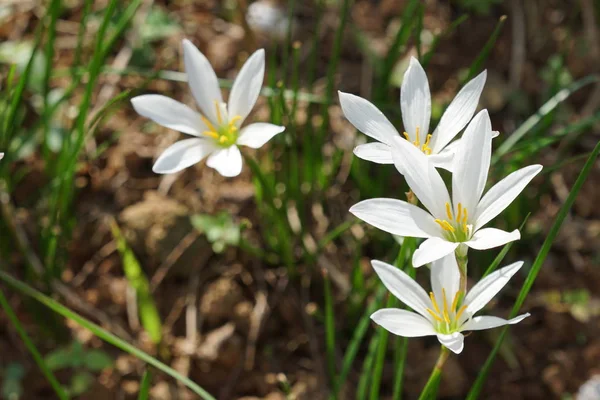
(226, 132)
(456, 229)
(447, 319)
(425, 147)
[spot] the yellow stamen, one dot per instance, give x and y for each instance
(208, 123)
(417, 143)
(426, 149)
(218, 108)
(223, 139)
(445, 225)
(406, 136)
(455, 301)
(461, 311)
(235, 119)
(466, 216)
(446, 316)
(434, 315)
(211, 134)
(449, 212)
(434, 302)
(459, 212)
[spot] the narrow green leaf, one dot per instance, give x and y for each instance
(548, 106)
(329, 328)
(487, 48)
(102, 333)
(145, 385)
(535, 269)
(137, 279)
(39, 360)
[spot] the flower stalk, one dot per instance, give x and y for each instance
(430, 389)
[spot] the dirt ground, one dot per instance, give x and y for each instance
(257, 330)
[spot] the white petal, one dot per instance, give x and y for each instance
(415, 101)
(454, 342)
(257, 134)
(489, 322)
(472, 163)
(403, 323)
(182, 154)
(396, 217)
(367, 118)
(421, 176)
(495, 134)
(246, 87)
(432, 249)
(488, 287)
(227, 162)
(202, 80)
(459, 113)
(169, 113)
(403, 287)
(445, 275)
(503, 193)
(376, 152)
(488, 238)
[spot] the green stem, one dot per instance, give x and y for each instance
(58, 389)
(430, 390)
(462, 261)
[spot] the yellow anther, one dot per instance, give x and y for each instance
(218, 108)
(434, 302)
(466, 216)
(449, 211)
(406, 136)
(208, 123)
(455, 301)
(417, 143)
(459, 212)
(445, 225)
(211, 134)
(461, 311)
(434, 315)
(426, 149)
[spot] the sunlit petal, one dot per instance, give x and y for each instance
(488, 238)
(432, 249)
(182, 154)
(459, 112)
(403, 287)
(246, 87)
(169, 113)
(367, 118)
(455, 342)
(376, 152)
(396, 217)
(403, 323)
(257, 134)
(202, 80)
(415, 100)
(227, 162)
(489, 322)
(489, 286)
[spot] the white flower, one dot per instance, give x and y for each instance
(1, 156)
(415, 102)
(449, 223)
(217, 130)
(446, 312)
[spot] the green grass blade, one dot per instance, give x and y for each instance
(137, 279)
(102, 333)
(406, 25)
(39, 360)
(550, 105)
(145, 386)
(329, 328)
(357, 338)
(487, 48)
(363, 382)
(535, 269)
(436, 40)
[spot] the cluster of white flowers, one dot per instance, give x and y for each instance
(449, 225)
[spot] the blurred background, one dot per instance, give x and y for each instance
(260, 287)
